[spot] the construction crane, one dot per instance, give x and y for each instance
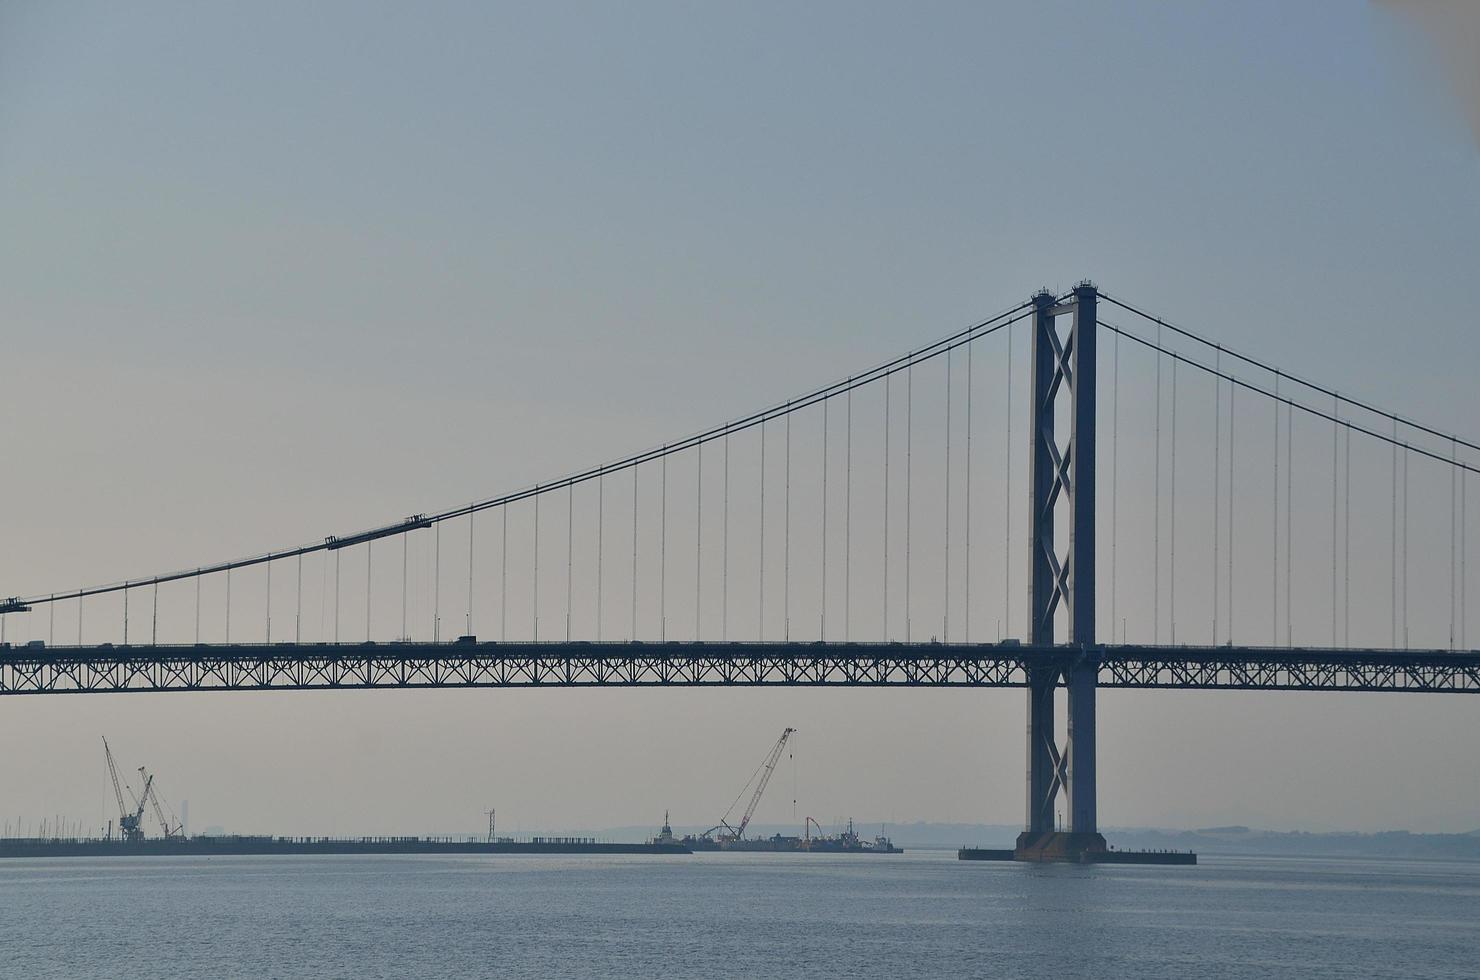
(170, 827)
(129, 820)
(764, 772)
(760, 787)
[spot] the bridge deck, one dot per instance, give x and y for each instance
(290, 666)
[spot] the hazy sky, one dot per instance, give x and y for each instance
(270, 274)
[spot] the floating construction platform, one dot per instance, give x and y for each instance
(832, 844)
(224, 846)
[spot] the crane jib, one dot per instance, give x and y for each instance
(760, 787)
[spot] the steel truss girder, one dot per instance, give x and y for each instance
(247, 667)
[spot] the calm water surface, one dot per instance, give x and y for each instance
(922, 914)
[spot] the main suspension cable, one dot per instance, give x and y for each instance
(968, 335)
(1313, 386)
(1307, 409)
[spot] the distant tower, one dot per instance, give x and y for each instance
(490, 825)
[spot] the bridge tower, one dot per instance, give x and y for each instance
(1062, 478)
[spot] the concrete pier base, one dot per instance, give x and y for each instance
(1084, 857)
(1059, 847)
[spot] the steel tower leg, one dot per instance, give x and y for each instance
(1062, 365)
(1084, 675)
(1042, 681)
(1080, 753)
(1042, 786)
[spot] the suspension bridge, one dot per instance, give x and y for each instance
(872, 532)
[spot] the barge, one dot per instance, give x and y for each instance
(846, 842)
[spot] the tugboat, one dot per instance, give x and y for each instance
(665, 836)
